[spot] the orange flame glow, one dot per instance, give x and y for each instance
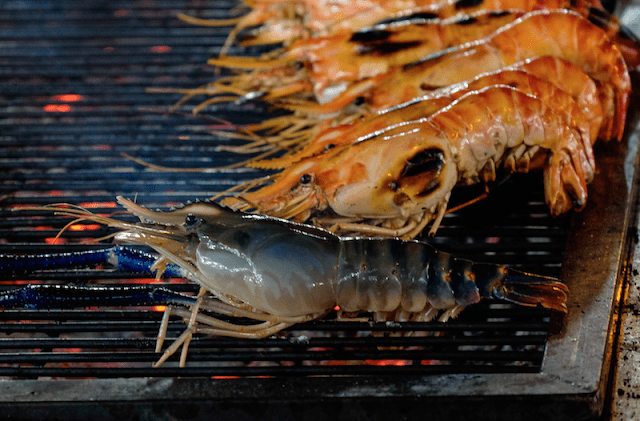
(160, 48)
(94, 205)
(88, 227)
(68, 98)
(57, 108)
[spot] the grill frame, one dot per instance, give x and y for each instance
(571, 383)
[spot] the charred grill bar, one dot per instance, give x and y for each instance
(73, 101)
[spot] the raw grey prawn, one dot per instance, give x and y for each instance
(396, 180)
(279, 273)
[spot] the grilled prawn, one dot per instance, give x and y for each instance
(581, 109)
(534, 35)
(330, 64)
(568, 62)
(276, 21)
(280, 273)
(550, 78)
(400, 178)
(350, 61)
(320, 68)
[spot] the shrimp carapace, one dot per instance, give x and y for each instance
(283, 21)
(401, 178)
(580, 107)
(534, 35)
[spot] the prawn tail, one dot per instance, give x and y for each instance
(530, 290)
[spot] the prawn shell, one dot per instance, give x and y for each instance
(367, 276)
(383, 275)
(271, 268)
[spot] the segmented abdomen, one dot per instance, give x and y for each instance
(390, 274)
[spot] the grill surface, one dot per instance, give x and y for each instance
(73, 100)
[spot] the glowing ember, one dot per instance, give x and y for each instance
(80, 227)
(57, 108)
(160, 48)
(68, 98)
(94, 205)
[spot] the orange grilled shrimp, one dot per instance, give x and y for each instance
(395, 181)
(333, 62)
(283, 21)
(534, 35)
(319, 55)
(320, 68)
(303, 137)
(584, 117)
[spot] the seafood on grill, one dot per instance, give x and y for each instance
(279, 273)
(283, 21)
(572, 94)
(397, 180)
(532, 36)
(330, 64)
(384, 156)
(586, 49)
(322, 68)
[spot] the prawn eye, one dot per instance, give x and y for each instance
(191, 220)
(305, 179)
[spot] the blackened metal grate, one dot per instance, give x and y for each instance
(73, 100)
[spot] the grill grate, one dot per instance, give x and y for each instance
(73, 100)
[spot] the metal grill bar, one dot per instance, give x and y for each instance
(54, 149)
(108, 59)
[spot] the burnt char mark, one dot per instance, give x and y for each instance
(430, 57)
(464, 4)
(466, 20)
(370, 35)
(386, 48)
(428, 160)
(414, 16)
(499, 13)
